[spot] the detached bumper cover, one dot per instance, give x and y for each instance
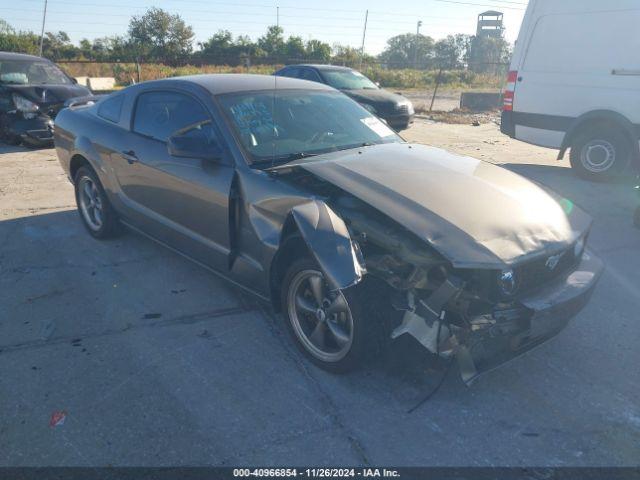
(542, 317)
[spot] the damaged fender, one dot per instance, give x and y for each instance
(329, 242)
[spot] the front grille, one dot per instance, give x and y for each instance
(403, 109)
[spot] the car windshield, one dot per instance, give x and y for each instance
(281, 126)
(30, 72)
(348, 80)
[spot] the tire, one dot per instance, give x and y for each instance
(346, 339)
(96, 213)
(600, 153)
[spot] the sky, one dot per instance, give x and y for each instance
(332, 21)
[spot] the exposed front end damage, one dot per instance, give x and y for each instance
(453, 312)
(483, 342)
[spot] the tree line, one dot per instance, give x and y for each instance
(158, 36)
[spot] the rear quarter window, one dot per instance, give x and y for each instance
(111, 108)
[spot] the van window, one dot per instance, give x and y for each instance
(160, 114)
(111, 108)
(593, 42)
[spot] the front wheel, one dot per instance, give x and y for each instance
(328, 326)
(600, 153)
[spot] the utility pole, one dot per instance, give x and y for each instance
(415, 50)
(364, 36)
(278, 17)
(44, 17)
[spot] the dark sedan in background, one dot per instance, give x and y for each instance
(394, 109)
(303, 197)
(32, 91)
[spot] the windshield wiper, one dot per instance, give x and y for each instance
(298, 155)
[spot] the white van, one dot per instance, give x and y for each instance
(575, 83)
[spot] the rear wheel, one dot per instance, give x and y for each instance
(96, 212)
(600, 153)
(328, 326)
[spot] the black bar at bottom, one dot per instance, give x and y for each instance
(407, 473)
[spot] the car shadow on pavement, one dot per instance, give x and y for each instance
(6, 148)
(49, 260)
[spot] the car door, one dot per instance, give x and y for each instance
(181, 201)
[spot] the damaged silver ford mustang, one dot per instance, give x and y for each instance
(295, 192)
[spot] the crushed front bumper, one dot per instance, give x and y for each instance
(37, 131)
(541, 317)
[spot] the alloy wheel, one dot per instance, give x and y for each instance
(90, 203)
(321, 319)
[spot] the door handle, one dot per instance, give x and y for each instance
(130, 157)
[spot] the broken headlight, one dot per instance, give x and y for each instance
(508, 282)
(23, 105)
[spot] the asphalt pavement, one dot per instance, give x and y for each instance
(123, 353)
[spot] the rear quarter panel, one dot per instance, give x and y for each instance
(79, 131)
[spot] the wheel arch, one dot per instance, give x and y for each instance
(602, 117)
(77, 161)
(313, 229)
(292, 247)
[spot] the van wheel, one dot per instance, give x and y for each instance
(96, 213)
(329, 327)
(600, 153)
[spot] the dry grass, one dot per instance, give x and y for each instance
(460, 116)
(125, 74)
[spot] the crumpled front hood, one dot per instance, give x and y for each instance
(475, 214)
(371, 96)
(49, 94)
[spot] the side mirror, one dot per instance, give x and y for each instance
(74, 80)
(187, 145)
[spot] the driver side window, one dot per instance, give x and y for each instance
(159, 115)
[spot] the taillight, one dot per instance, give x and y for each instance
(509, 91)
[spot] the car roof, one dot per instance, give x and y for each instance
(221, 83)
(19, 56)
(321, 66)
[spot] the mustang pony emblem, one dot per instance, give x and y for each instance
(552, 262)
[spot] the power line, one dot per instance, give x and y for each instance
(200, 20)
(244, 14)
(478, 4)
(293, 7)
